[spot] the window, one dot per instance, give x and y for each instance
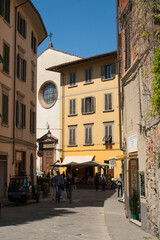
(88, 134)
(108, 106)
(32, 121)
(72, 79)
(108, 71)
(108, 132)
(33, 43)
(127, 47)
(5, 9)
(88, 105)
(22, 26)
(72, 106)
(21, 68)
(4, 109)
(6, 58)
(72, 135)
(88, 75)
(20, 114)
(32, 80)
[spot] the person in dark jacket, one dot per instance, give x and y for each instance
(96, 181)
(70, 186)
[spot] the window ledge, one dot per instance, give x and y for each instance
(72, 86)
(107, 79)
(88, 113)
(72, 115)
(109, 143)
(5, 124)
(112, 110)
(88, 144)
(87, 83)
(72, 145)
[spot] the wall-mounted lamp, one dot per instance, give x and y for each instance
(49, 133)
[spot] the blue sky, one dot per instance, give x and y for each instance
(81, 27)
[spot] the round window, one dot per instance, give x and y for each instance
(48, 94)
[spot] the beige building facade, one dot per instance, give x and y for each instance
(22, 30)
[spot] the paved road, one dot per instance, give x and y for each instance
(83, 219)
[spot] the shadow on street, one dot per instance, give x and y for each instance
(47, 208)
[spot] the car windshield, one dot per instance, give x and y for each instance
(18, 182)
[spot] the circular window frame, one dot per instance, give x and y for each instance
(41, 91)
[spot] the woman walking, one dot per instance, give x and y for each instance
(70, 186)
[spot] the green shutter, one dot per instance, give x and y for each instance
(18, 65)
(92, 104)
(17, 113)
(23, 116)
(6, 58)
(2, 7)
(4, 109)
(7, 11)
(24, 70)
(82, 105)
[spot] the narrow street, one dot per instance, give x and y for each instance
(83, 219)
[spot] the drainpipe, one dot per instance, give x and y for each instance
(14, 82)
(119, 81)
(63, 112)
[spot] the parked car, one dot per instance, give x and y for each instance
(22, 189)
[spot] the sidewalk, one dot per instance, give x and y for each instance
(119, 227)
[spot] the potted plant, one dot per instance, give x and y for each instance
(135, 205)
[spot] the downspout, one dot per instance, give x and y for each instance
(14, 82)
(63, 112)
(119, 81)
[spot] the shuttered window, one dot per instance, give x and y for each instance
(22, 25)
(108, 71)
(72, 135)
(88, 134)
(127, 47)
(108, 102)
(33, 43)
(108, 133)
(20, 115)
(72, 78)
(88, 105)
(5, 109)
(72, 106)
(32, 121)
(6, 58)
(88, 75)
(5, 9)
(21, 68)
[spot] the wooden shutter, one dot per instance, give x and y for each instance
(86, 135)
(23, 116)
(6, 58)
(90, 74)
(113, 69)
(83, 105)
(18, 66)
(34, 122)
(17, 113)
(90, 135)
(24, 70)
(5, 109)
(18, 25)
(92, 104)
(70, 136)
(24, 28)
(74, 136)
(30, 121)
(2, 7)
(7, 11)
(110, 133)
(103, 72)
(74, 106)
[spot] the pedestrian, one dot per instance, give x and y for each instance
(96, 181)
(103, 182)
(58, 181)
(119, 185)
(70, 186)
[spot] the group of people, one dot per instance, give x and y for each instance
(59, 181)
(100, 180)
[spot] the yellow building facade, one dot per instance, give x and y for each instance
(89, 111)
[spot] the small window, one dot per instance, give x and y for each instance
(72, 135)
(5, 9)
(72, 106)
(88, 75)
(32, 80)
(88, 105)
(108, 71)
(20, 114)
(4, 109)
(108, 133)
(22, 26)
(88, 134)
(21, 68)
(108, 106)
(33, 43)
(6, 58)
(72, 79)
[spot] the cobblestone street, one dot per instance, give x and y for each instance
(83, 219)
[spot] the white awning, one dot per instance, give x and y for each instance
(77, 159)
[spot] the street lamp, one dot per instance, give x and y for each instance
(49, 134)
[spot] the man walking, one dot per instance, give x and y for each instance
(58, 181)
